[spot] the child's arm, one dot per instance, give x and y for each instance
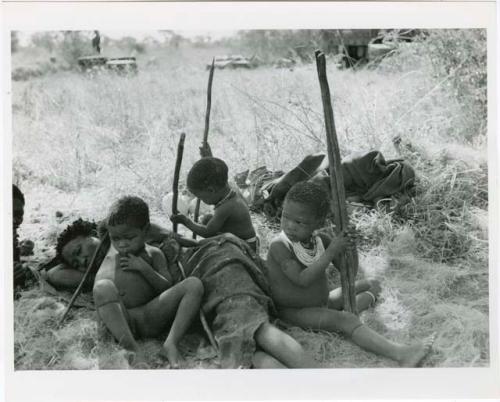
(293, 270)
(64, 277)
(157, 275)
(213, 227)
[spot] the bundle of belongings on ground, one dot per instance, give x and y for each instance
(369, 179)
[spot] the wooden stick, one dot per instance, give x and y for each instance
(209, 102)
(204, 144)
(348, 262)
(175, 185)
(203, 319)
(94, 265)
(178, 162)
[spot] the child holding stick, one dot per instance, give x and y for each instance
(208, 180)
(297, 261)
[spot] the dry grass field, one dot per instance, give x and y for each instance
(81, 141)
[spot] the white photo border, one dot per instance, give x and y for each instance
(137, 385)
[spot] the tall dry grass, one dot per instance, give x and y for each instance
(81, 141)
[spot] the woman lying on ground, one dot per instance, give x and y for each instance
(236, 300)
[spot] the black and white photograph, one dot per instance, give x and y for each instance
(300, 198)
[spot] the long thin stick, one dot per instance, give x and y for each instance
(348, 262)
(94, 265)
(178, 163)
(204, 144)
(175, 184)
(203, 319)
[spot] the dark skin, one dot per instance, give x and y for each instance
(230, 217)
(78, 252)
(135, 296)
(18, 216)
(301, 293)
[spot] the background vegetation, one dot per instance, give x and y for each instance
(81, 141)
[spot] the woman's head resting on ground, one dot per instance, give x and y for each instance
(77, 243)
(304, 210)
(207, 180)
(127, 224)
(17, 206)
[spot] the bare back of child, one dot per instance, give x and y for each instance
(208, 180)
(297, 262)
(133, 289)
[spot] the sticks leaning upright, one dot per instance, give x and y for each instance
(205, 149)
(175, 184)
(178, 162)
(349, 261)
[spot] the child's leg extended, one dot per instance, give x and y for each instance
(282, 348)
(262, 360)
(177, 305)
(367, 291)
(113, 313)
(361, 335)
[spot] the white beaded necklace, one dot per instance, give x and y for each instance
(305, 255)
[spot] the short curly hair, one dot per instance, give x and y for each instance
(312, 195)
(207, 172)
(17, 194)
(78, 228)
(129, 210)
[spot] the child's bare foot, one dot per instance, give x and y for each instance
(172, 354)
(368, 297)
(414, 354)
(138, 360)
(375, 288)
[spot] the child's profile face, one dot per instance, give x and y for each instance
(298, 221)
(209, 196)
(79, 251)
(127, 239)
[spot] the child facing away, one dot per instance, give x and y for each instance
(208, 180)
(297, 261)
(133, 290)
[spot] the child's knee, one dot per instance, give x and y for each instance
(105, 292)
(265, 361)
(348, 322)
(375, 287)
(194, 286)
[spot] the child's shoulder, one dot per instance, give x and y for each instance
(279, 244)
(152, 250)
(233, 206)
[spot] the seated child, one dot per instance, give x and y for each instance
(22, 274)
(207, 180)
(133, 290)
(297, 262)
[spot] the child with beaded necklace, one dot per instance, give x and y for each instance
(297, 261)
(207, 180)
